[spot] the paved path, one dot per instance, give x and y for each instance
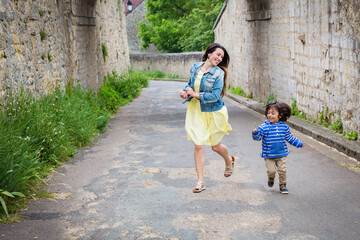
(136, 182)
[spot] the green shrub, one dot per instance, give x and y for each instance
(118, 90)
(38, 134)
(110, 98)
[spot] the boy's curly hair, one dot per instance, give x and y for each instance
(283, 109)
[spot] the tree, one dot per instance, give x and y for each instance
(177, 26)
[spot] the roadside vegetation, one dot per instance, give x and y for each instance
(39, 134)
(323, 119)
(239, 91)
(157, 74)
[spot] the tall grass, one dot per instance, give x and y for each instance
(156, 74)
(38, 134)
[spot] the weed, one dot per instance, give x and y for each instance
(323, 118)
(104, 51)
(270, 98)
(353, 135)
(43, 35)
(42, 194)
(296, 112)
(239, 91)
(49, 56)
(337, 126)
(41, 13)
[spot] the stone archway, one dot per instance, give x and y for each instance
(83, 42)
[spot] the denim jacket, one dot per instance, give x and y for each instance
(211, 86)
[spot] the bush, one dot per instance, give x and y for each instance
(38, 134)
(118, 90)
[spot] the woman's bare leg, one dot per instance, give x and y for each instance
(222, 150)
(199, 161)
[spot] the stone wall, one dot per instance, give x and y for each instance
(132, 20)
(45, 43)
(169, 63)
(308, 51)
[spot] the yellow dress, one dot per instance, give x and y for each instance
(205, 128)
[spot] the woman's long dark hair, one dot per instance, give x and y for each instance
(223, 64)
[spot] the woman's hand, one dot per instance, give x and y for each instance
(190, 91)
(255, 130)
(183, 95)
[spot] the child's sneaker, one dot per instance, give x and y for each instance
(283, 189)
(271, 182)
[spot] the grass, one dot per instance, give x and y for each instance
(43, 35)
(324, 120)
(159, 74)
(38, 134)
(239, 91)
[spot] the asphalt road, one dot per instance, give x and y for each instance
(136, 183)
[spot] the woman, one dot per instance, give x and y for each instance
(206, 116)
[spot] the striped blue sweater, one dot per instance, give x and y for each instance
(273, 138)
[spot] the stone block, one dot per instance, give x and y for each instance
(2, 16)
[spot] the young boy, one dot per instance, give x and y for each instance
(273, 133)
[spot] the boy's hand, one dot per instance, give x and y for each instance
(303, 145)
(255, 130)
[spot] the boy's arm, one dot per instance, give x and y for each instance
(292, 140)
(257, 133)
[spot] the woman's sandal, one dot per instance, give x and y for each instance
(200, 186)
(228, 173)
